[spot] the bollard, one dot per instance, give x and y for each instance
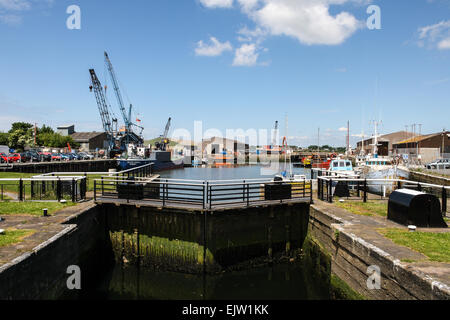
(45, 212)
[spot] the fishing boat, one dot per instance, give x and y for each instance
(140, 156)
(375, 167)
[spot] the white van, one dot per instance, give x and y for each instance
(4, 149)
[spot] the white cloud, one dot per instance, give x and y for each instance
(10, 9)
(444, 44)
(217, 3)
(248, 5)
(435, 36)
(16, 5)
(309, 21)
(343, 129)
(216, 48)
(11, 19)
(246, 55)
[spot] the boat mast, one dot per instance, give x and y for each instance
(375, 144)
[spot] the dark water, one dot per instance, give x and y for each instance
(294, 281)
(308, 277)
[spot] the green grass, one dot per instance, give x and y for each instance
(432, 173)
(14, 236)
(431, 244)
(32, 208)
(342, 291)
(370, 208)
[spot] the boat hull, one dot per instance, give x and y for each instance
(380, 187)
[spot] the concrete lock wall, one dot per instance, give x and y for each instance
(42, 274)
(186, 241)
(351, 257)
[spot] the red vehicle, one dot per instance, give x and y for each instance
(56, 157)
(4, 158)
(14, 157)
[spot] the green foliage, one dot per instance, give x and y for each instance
(327, 148)
(54, 140)
(4, 139)
(21, 126)
(22, 135)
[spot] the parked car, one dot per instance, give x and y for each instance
(4, 158)
(56, 157)
(45, 156)
(439, 164)
(14, 157)
(86, 156)
(34, 155)
(25, 157)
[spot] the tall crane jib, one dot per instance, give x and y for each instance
(130, 135)
(102, 107)
(164, 142)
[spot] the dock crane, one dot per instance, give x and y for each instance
(130, 136)
(162, 145)
(109, 124)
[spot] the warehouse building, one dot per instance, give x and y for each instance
(91, 141)
(386, 143)
(429, 147)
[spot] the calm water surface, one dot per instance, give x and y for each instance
(244, 172)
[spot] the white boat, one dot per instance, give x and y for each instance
(380, 168)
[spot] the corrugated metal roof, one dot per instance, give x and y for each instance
(86, 136)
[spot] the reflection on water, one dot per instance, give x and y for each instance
(295, 281)
(242, 172)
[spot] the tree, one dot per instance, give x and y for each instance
(20, 135)
(22, 126)
(4, 139)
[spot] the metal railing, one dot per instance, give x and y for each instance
(376, 189)
(200, 194)
(43, 189)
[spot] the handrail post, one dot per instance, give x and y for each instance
(203, 195)
(73, 191)
(210, 196)
(304, 187)
(20, 189)
(365, 191)
(95, 190)
(164, 194)
(248, 194)
(331, 190)
(103, 190)
(358, 187)
(58, 189)
(311, 192)
(444, 201)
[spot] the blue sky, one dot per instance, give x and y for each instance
(231, 63)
